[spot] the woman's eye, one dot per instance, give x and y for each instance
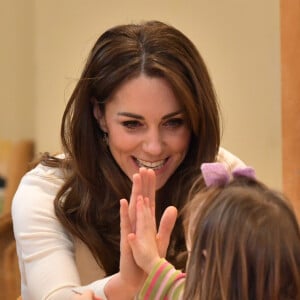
(132, 124)
(174, 123)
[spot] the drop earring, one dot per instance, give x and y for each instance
(105, 138)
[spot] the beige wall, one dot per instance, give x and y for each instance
(16, 70)
(238, 39)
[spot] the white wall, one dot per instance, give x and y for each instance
(238, 39)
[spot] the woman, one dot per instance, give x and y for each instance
(144, 99)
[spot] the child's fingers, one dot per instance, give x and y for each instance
(166, 226)
(145, 220)
(143, 241)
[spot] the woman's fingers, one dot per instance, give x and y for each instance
(149, 186)
(125, 224)
(135, 192)
(151, 190)
(143, 184)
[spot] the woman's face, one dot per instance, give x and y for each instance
(146, 127)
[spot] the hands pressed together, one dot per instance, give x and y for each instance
(142, 245)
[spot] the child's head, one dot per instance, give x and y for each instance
(245, 243)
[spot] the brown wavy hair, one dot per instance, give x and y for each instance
(88, 202)
(245, 244)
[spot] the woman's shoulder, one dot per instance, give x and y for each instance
(33, 200)
(229, 159)
(39, 186)
(46, 172)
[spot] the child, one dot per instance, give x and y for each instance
(245, 243)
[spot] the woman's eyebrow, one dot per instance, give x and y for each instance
(130, 115)
(172, 114)
(136, 116)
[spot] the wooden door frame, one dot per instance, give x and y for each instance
(290, 80)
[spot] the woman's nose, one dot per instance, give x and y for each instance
(153, 143)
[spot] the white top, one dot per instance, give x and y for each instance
(51, 262)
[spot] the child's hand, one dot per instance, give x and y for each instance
(145, 242)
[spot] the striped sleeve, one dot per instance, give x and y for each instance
(163, 282)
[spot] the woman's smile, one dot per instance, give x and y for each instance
(155, 165)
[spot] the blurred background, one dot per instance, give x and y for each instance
(44, 45)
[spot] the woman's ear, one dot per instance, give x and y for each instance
(99, 115)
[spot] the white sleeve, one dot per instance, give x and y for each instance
(97, 287)
(45, 250)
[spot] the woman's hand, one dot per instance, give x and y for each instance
(125, 284)
(143, 184)
(130, 272)
(142, 218)
(87, 295)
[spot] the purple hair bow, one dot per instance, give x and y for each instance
(216, 174)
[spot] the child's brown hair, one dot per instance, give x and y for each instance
(245, 244)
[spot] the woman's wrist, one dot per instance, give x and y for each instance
(118, 288)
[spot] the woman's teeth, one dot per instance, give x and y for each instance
(151, 165)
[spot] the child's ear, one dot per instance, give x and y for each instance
(99, 115)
